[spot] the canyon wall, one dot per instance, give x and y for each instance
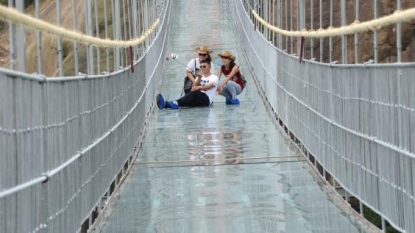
(387, 36)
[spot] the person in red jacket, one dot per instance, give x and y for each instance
(234, 83)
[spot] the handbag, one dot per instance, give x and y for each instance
(187, 84)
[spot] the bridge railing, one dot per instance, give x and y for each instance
(353, 121)
(65, 141)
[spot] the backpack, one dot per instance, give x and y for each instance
(242, 76)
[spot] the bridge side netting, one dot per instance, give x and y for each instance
(64, 140)
(355, 119)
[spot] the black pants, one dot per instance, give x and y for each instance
(194, 99)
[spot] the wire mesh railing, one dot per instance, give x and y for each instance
(64, 140)
(354, 119)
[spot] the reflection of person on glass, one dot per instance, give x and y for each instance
(194, 64)
(234, 147)
(234, 82)
(202, 92)
(204, 139)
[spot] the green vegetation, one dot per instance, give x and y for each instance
(372, 217)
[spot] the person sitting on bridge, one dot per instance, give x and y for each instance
(201, 94)
(194, 64)
(234, 82)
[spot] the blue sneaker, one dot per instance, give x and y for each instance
(234, 101)
(160, 101)
(173, 104)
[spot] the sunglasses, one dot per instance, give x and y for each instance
(202, 54)
(223, 57)
(202, 67)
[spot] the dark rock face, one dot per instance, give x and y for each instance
(386, 36)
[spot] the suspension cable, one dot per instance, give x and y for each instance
(355, 27)
(27, 21)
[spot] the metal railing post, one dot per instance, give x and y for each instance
(321, 26)
(399, 35)
(97, 33)
(106, 36)
(375, 33)
(117, 32)
(11, 39)
(356, 36)
(312, 27)
(21, 37)
(59, 40)
(39, 41)
(88, 30)
(331, 38)
(75, 44)
(344, 37)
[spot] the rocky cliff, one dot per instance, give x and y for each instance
(387, 36)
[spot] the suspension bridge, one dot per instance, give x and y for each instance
(322, 140)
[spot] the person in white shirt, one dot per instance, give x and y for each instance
(201, 94)
(194, 65)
